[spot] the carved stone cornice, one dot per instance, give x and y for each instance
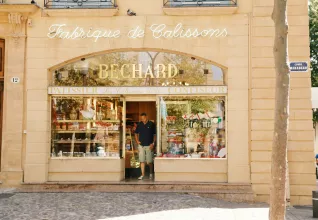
(18, 8)
(16, 20)
(17, 15)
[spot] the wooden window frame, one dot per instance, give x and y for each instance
(2, 49)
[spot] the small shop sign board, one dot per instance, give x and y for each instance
(298, 66)
(177, 90)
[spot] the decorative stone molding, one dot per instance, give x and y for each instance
(16, 20)
(199, 11)
(17, 15)
(101, 12)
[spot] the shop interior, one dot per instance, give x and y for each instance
(133, 111)
(189, 127)
(192, 127)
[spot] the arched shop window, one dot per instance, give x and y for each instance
(138, 69)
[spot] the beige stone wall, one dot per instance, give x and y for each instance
(87, 170)
(12, 136)
(191, 170)
(301, 136)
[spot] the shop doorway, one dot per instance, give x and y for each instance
(133, 111)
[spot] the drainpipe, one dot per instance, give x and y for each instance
(24, 124)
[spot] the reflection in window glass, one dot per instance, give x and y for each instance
(147, 68)
(193, 127)
(86, 127)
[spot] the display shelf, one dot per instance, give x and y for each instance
(175, 141)
(173, 146)
(176, 136)
(75, 130)
(85, 158)
(66, 121)
(84, 142)
(188, 158)
(84, 131)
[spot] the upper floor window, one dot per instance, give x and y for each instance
(79, 3)
(199, 3)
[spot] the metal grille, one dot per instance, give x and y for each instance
(199, 3)
(79, 3)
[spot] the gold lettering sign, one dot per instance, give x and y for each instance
(134, 71)
(103, 73)
(172, 70)
(161, 70)
(112, 71)
(122, 70)
(149, 72)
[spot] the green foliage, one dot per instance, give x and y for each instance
(179, 106)
(313, 33)
(202, 105)
(193, 69)
(315, 117)
(65, 105)
(177, 109)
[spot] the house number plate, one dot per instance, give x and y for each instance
(15, 79)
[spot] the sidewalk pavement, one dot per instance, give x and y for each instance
(130, 206)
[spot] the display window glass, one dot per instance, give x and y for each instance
(148, 68)
(86, 127)
(192, 127)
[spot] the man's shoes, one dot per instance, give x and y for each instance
(141, 178)
(150, 176)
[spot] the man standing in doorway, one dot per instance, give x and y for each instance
(145, 136)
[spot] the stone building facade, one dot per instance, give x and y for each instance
(236, 38)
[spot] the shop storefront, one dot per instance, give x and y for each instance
(96, 103)
(77, 79)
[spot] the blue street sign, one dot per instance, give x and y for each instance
(298, 66)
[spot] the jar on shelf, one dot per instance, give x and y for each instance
(73, 114)
(60, 116)
(63, 127)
